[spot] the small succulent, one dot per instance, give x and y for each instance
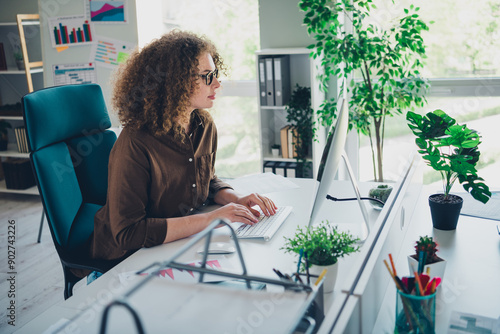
(427, 245)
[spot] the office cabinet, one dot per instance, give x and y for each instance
(279, 71)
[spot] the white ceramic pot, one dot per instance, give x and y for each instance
(330, 276)
(436, 269)
(275, 152)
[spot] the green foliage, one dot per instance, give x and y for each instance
(323, 244)
(300, 117)
(427, 245)
(18, 56)
(389, 62)
(450, 149)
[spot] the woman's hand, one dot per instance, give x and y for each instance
(234, 213)
(239, 208)
(266, 205)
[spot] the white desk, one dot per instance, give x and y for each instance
(260, 256)
(471, 280)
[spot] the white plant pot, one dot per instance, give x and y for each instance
(330, 276)
(275, 152)
(436, 269)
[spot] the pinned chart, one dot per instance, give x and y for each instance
(70, 31)
(113, 11)
(109, 52)
(66, 74)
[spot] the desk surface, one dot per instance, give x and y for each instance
(260, 256)
(470, 282)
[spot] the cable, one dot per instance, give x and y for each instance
(353, 199)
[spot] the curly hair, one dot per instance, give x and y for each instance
(152, 89)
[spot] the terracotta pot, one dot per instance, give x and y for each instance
(445, 214)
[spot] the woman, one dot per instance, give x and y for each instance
(161, 167)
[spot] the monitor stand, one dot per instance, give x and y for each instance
(354, 183)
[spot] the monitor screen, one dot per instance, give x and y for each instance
(332, 154)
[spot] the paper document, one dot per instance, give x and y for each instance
(187, 276)
(462, 323)
(261, 183)
(474, 208)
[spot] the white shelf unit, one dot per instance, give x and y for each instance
(15, 83)
(303, 71)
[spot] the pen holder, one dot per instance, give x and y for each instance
(415, 314)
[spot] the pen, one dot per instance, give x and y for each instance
(392, 265)
(307, 268)
(280, 275)
(301, 253)
(320, 277)
(297, 276)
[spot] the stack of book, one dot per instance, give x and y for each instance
(22, 142)
(288, 137)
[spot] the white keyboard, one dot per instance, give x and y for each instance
(267, 225)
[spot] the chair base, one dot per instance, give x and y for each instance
(69, 281)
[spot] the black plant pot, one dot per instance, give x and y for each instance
(445, 213)
(3, 145)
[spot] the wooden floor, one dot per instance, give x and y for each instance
(39, 277)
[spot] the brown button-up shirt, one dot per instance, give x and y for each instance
(150, 180)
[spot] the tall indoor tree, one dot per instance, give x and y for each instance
(381, 65)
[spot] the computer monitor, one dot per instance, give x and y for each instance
(333, 153)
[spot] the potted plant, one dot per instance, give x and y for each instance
(386, 61)
(18, 56)
(452, 150)
(275, 150)
(322, 245)
(4, 138)
(426, 252)
(300, 117)
(380, 192)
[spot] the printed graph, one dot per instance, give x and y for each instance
(107, 11)
(70, 31)
(66, 74)
(109, 52)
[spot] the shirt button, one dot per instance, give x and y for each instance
(191, 209)
(194, 185)
(190, 159)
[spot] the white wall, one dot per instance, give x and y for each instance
(281, 25)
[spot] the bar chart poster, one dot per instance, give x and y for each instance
(70, 31)
(107, 11)
(109, 52)
(74, 74)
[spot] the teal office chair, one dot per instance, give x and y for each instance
(66, 129)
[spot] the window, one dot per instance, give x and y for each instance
(463, 66)
(233, 26)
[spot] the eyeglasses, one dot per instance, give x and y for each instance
(209, 77)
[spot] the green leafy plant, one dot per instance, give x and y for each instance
(18, 55)
(387, 61)
(323, 244)
(300, 117)
(450, 149)
(427, 245)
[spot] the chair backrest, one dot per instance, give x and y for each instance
(69, 151)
